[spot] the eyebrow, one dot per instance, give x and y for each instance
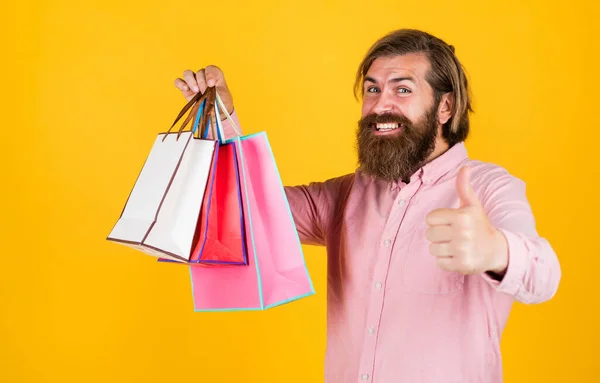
(393, 80)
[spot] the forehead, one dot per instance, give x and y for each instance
(415, 65)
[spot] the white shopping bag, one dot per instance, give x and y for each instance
(161, 213)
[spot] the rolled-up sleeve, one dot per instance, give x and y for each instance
(316, 206)
(533, 272)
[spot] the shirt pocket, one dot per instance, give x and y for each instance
(421, 273)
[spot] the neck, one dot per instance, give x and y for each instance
(441, 146)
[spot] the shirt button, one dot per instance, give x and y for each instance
(378, 285)
(402, 202)
(371, 330)
(428, 181)
(387, 242)
(365, 377)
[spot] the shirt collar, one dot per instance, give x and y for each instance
(432, 171)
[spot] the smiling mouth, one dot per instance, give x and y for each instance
(388, 126)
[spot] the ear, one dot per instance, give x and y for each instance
(446, 107)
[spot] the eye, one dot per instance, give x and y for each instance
(403, 90)
(372, 89)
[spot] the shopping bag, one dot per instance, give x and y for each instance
(161, 213)
(276, 271)
(220, 235)
(221, 227)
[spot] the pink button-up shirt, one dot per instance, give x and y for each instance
(392, 314)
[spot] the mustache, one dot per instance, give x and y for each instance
(373, 118)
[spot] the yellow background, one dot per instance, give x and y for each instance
(87, 85)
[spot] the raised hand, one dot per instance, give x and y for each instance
(194, 82)
(463, 239)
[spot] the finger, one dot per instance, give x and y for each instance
(439, 233)
(201, 79)
(466, 193)
(214, 76)
(181, 85)
(447, 263)
(445, 216)
(190, 79)
(443, 249)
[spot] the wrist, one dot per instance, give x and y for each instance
(223, 115)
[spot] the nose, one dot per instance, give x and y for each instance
(384, 104)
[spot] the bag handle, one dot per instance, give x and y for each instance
(222, 105)
(205, 100)
(220, 130)
(206, 107)
(215, 122)
(216, 127)
(194, 104)
(197, 120)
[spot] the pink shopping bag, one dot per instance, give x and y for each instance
(276, 272)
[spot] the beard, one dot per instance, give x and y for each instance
(396, 156)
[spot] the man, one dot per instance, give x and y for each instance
(427, 249)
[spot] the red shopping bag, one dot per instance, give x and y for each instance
(221, 234)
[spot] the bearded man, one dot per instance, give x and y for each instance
(427, 249)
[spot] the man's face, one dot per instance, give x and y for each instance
(399, 127)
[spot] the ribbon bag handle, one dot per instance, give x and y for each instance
(211, 119)
(206, 109)
(222, 105)
(217, 119)
(201, 105)
(194, 104)
(215, 102)
(197, 120)
(204, 121)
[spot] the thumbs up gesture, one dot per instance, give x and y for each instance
(463, 239)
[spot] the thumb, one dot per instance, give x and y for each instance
(465, 191)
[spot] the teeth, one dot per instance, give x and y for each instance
(387, 126)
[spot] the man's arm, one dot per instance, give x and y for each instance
(533, 271)
(314, 208)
